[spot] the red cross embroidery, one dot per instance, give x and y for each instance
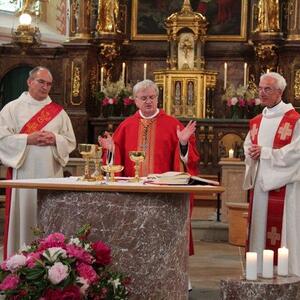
(273, 236)
(285, 131)
(253, 132)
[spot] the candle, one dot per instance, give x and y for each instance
(245, 74)
(145, 71)
(268, 257)
(268, 70)
(230, 153)
(283, 261)
(101, 78)
(225, 75)
(123, 73)
(251, 266)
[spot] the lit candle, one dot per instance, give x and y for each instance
(230, 153)
(245, 74)
(123, 73)
(101, 78)
(251, 266)
(225, 75)
(268, 70)
(283, 261)
(268, 257)
(145, 71)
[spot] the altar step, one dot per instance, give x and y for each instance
(210, 231)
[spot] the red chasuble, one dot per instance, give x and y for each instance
(158, 138)
(276, 198)
(36, 123)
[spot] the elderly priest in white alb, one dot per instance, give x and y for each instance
(36, 137)
(272, 149)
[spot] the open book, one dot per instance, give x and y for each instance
(179, 178)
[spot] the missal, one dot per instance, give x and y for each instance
(179, 178)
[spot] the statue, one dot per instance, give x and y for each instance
(108, 11)
(268, 16)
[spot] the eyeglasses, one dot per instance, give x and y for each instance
(144, 98)
(266, 90)
(42, 82)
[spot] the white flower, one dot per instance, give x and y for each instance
(84, 285)
(234, 100)
(75, 241)
(115, 283)
(87, 247)
(52, 253)
(15, 262)
(110, 101)
(257, 101)
(25, 248)
(57, 273)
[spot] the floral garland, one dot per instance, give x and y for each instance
(57, 268)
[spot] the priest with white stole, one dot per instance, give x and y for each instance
(272, 149)
(36, 138)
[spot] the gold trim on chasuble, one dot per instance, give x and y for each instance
(146, 142)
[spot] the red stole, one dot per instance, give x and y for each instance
(36, 123)
(276, 198)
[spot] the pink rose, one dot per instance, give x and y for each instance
(32, 258)
(58, 272)
(53, 240)
(87, 272)
(10, 282)
(102, 253)
(79, 253)
(15, 262)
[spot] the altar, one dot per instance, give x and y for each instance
(146, 226)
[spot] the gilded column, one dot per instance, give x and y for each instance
(293, 20)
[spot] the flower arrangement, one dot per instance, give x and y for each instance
(243, 101)
(57, 268)
(115, 97)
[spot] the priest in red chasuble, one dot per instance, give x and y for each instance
(272, 149)
(168, 145)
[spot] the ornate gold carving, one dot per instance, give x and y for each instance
(74, 16)
(268, 16)
(267, 56)
(75, 84)
(93, 80)
(109, 50)
(297, 85)
(108, 12)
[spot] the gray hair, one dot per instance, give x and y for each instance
(142, 85)
(280, 80)
(33, 72)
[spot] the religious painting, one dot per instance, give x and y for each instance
(226, 18)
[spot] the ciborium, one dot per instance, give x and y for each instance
(87, 152)
(111, 170)
(97, 161)
(137, 157)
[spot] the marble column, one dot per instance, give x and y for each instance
(147, 232)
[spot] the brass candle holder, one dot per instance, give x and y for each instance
(87, 152)
(111, 170)
(137, 157)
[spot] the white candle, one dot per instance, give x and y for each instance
(251, 266)
(245, 74)
(123, 73)
(268, 70)
(101, 78)
(145, 71)
(268, 257)
(230, 153)
(225, 75)
(283, 261)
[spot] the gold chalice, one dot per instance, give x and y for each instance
(137, 157)
(97, 161)
(87, 151)
(112, 169)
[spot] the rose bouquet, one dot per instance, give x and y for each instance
(55, 268)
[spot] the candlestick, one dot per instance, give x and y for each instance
(225, 75)
(123, 73)
(251, 266)
(145, 71)
(245, 74)
(268, 257)
(230, 153)
(283, 261)
(101, 78)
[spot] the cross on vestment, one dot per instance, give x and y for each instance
(285, 131)
(273, 235)
(254, 131)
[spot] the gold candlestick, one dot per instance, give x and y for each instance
(87, 151)
(137, 157)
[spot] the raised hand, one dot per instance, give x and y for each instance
(106, 142)
(184, 134)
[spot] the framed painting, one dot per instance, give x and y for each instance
(227, 18)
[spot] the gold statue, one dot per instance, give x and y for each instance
(108, 12)
(268, 16)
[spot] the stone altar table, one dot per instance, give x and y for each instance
(146, 226)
